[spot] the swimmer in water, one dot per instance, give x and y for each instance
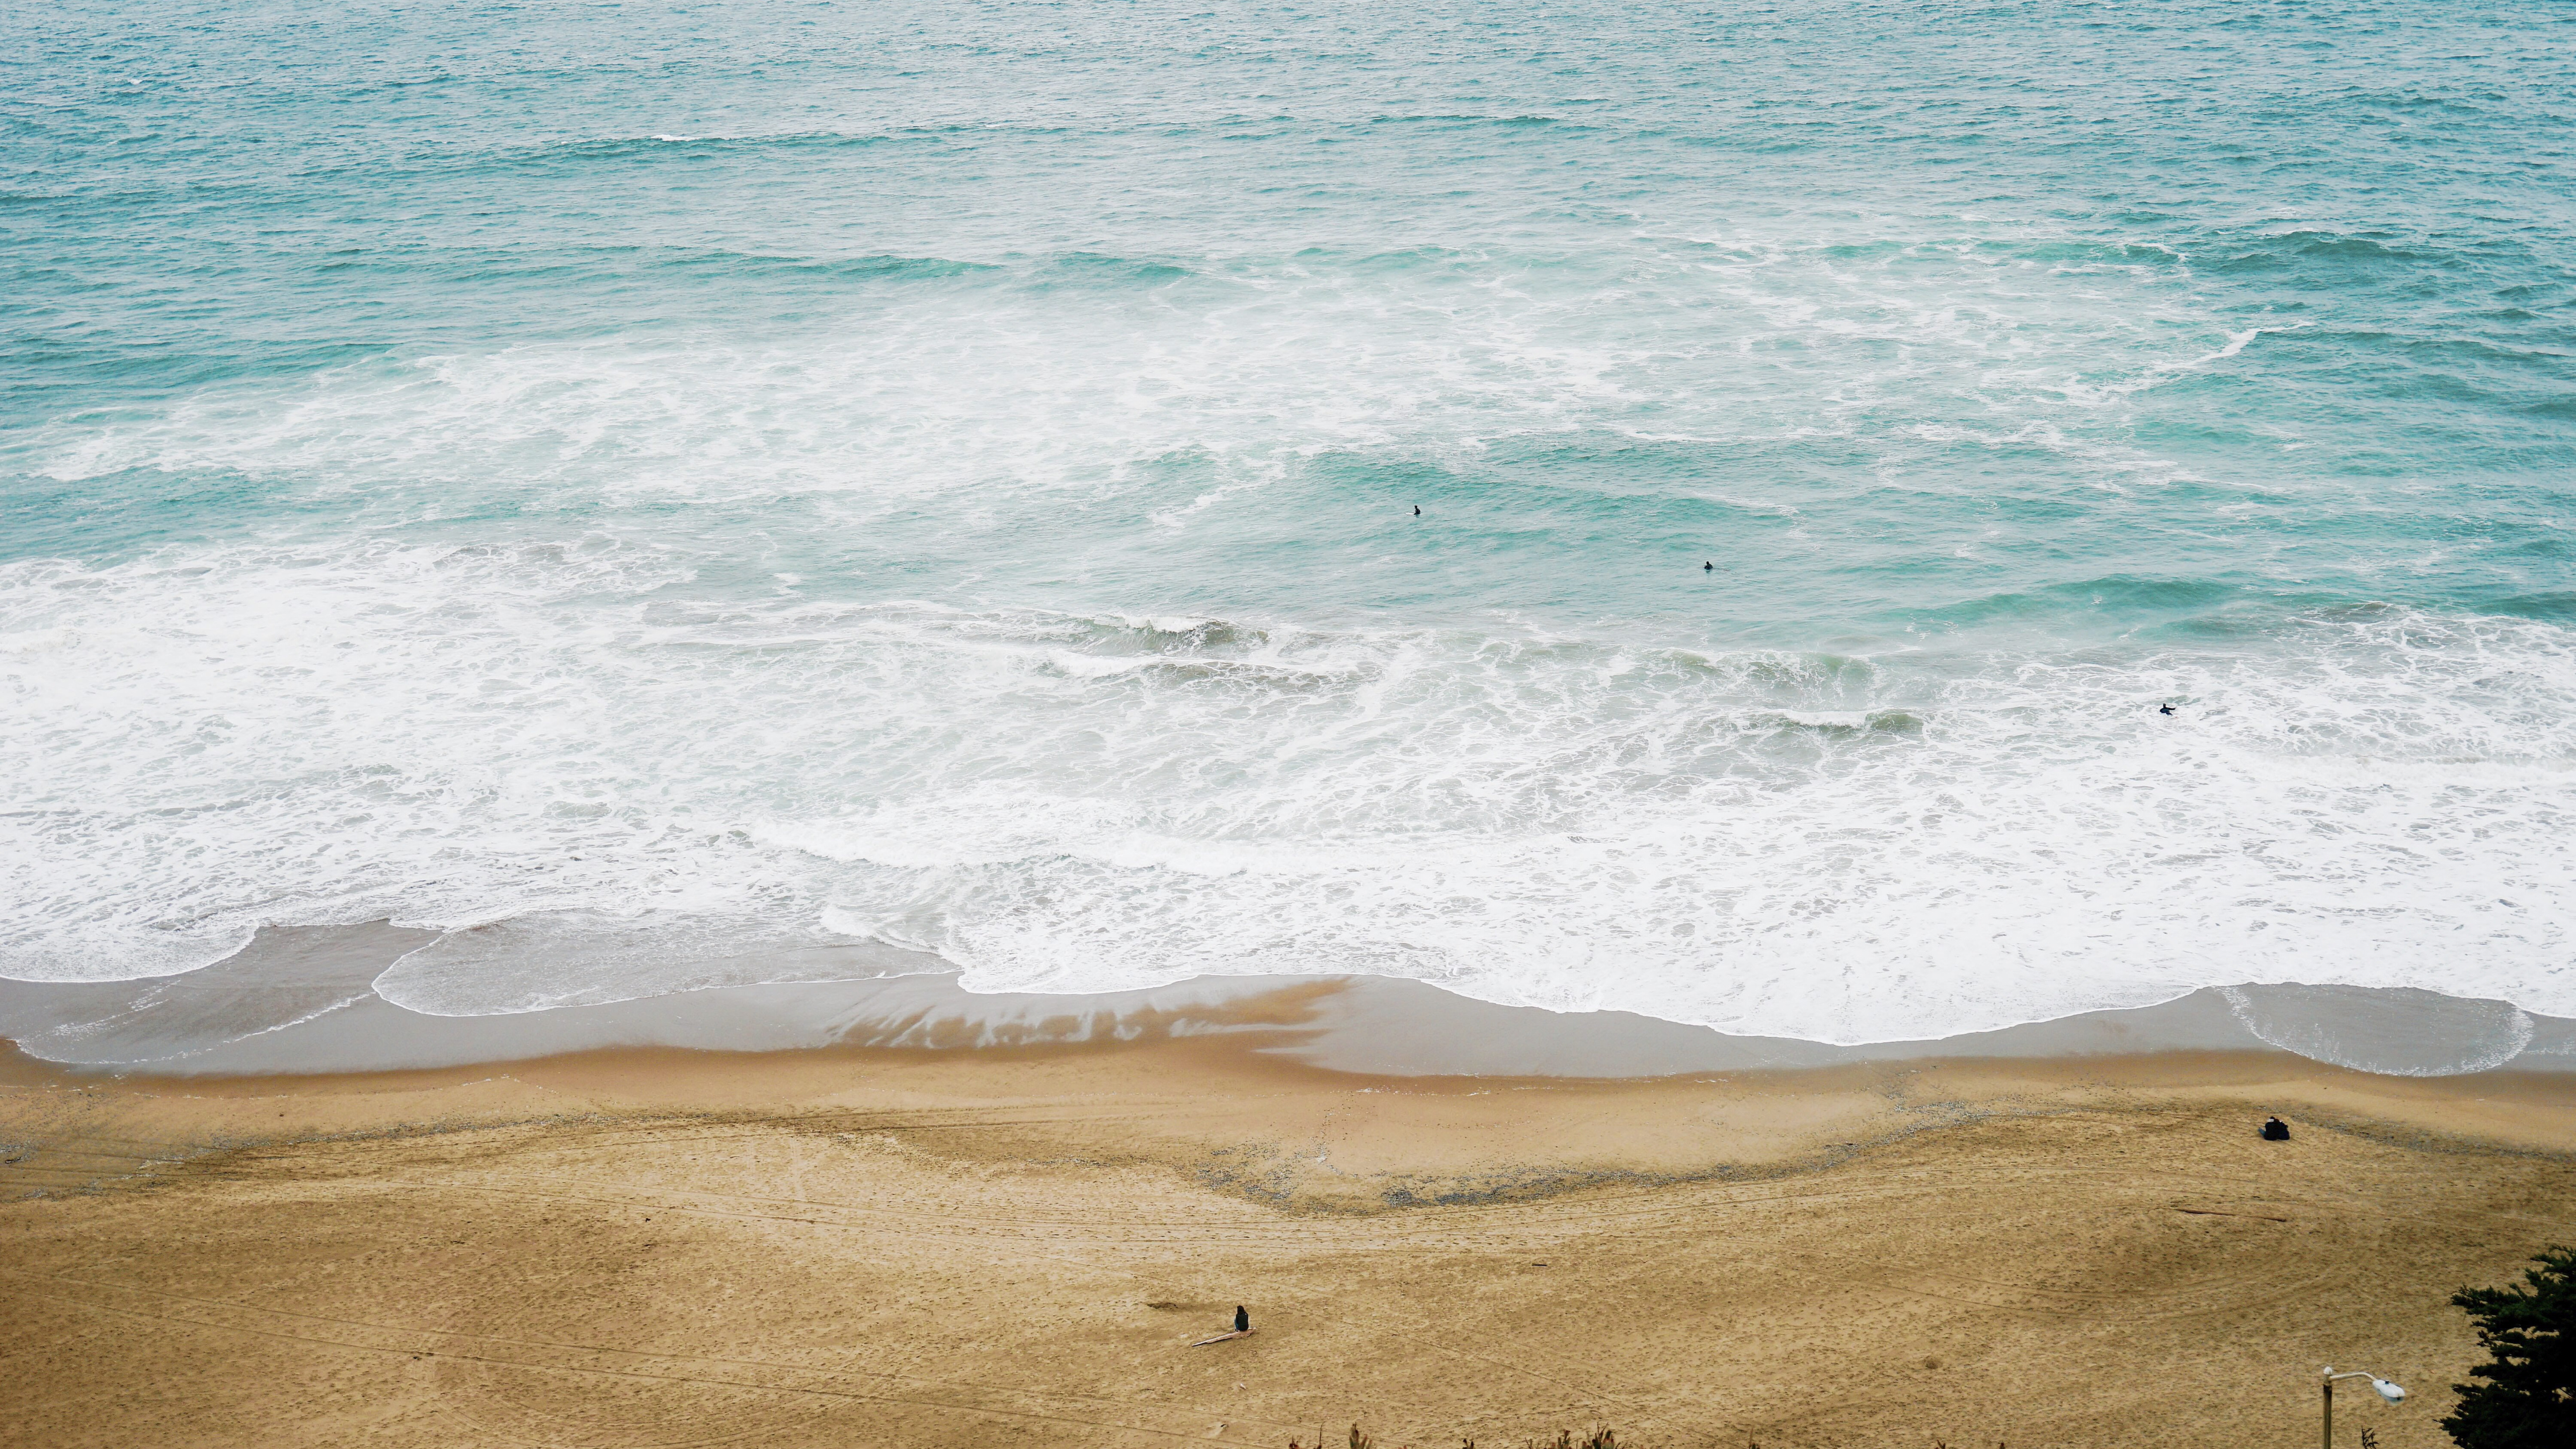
(2164, 709)
(1708, 568)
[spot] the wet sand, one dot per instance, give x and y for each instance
(1006, 1244)
(304, 1001)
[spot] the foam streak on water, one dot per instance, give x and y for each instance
(656, 494)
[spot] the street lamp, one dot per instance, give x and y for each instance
(2391, 1392)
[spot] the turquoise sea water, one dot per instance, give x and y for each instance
(656, 491)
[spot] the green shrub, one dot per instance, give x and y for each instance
(2529, 1398)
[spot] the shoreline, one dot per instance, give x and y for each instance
(302, 1002)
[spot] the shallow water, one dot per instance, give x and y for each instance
(661, 495)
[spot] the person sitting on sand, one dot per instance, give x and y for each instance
(2274, 1130)
(1242, 1320)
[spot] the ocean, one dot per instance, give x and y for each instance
(1697, 510)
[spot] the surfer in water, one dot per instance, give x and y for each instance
(1708, 568)
(2164, 709)
(1417, 510)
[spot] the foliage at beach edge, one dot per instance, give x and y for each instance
(2527, 1399)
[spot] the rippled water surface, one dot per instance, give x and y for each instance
(652, 489)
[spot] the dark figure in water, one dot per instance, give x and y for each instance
(1243, 1320)
(2164, 709)
(2274, 1130)
(1417, 510)
(1708, 568)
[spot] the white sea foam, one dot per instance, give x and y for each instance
(603, 791)
(606, 764)
(1030, 376)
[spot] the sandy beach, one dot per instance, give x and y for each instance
(1019, 1244)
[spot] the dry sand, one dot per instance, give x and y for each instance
(860, 1247)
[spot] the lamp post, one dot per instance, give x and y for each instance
(2386, 1390)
